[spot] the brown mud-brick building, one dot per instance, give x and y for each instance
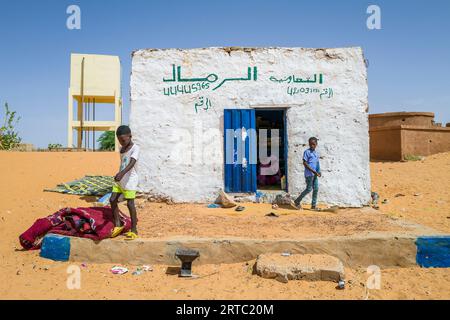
(398, 135)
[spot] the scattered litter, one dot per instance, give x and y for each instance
(225, 200)
(341, 285)
(240, 208)
(141, 270)
(272, 214)
(104, 201)
(213, 206)
(137, 272)
(147, 268)
(385, 201)
(118, 270)
(259, 196)
(399, 195)
(286, 254)
(375, 196)
(333, 209)
(416, 194)
(275, 206)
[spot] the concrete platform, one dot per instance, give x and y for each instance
(358, 238)
(163, 222)
(384, 250)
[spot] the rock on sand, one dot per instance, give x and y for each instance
(312, 267)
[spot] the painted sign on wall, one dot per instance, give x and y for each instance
(294, 85)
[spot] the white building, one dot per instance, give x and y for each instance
(182, 102)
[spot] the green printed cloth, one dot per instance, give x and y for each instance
(87, 186)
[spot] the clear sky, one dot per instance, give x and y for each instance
(409, 58)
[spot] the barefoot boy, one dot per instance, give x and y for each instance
(126, 182)
(312, 172)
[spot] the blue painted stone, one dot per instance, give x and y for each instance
(55, 247)
(433, 252)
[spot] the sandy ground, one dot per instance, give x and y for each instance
(416, 190)
(24, 275)
(199, 221)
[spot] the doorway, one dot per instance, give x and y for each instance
(272, 169)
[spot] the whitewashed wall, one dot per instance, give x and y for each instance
(182, 148)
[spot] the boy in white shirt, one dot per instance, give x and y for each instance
(126, 182)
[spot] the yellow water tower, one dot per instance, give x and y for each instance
(94, 80)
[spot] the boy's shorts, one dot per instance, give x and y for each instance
(127, 194)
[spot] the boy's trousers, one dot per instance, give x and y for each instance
(312, 184)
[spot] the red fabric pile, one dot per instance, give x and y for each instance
(95, 223)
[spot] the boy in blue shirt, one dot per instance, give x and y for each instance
(312, 172)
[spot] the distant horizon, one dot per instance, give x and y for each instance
(407, 56)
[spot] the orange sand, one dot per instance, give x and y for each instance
(159, 220)
(24, 275)
(425, 186)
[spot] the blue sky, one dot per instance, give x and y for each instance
(409, 58)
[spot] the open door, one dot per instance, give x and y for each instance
(240, 150)
(273, 121)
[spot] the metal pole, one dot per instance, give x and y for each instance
(93, 129)
(85, 118)
(88, 131)
(82, 101)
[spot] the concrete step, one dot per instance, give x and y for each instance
(311, 267)
(381, 249)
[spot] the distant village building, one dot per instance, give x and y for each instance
(399, 135)
(27, 147)
(201, 116)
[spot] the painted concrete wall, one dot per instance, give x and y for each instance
(179, 124)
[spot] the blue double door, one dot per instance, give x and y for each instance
(240, 150)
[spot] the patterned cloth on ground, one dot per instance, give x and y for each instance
(95, 223)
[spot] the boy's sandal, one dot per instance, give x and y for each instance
(130, 235)
(116, 231)
(295, 206)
